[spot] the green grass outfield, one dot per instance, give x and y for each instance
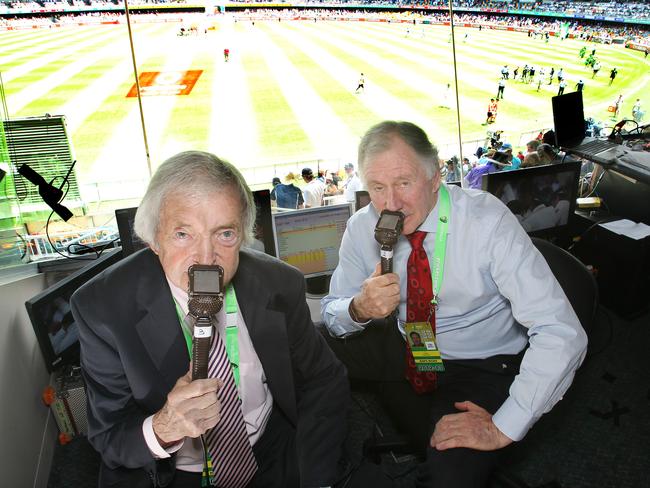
(287, 94)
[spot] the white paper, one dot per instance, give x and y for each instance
(628, 228)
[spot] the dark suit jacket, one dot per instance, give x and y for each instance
(133, 352)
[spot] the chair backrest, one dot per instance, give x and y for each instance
(575, 279)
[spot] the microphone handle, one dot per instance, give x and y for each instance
(386, 253)
(201, 342)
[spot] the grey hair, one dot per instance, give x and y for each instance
(380, 138)
(192, 174)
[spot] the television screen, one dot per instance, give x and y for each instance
(361, 199)
(309, 239)
(125, 217)
(542, 198)
(263, 231)
(51, 317)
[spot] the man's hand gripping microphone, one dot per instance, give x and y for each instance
(205, 299)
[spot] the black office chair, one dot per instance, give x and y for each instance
(580, 288)
(575, 279)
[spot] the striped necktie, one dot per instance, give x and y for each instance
(233, 461)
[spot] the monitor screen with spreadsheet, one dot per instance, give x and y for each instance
(309, 239)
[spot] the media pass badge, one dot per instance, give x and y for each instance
(423, 347)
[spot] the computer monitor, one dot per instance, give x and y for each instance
(623, 197)
(263, 231)
(309, 239)
(361, 199)
(568, 119)
(542, 198)
(51, 316)
(125, 217)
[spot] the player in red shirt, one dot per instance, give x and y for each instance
(492, 111)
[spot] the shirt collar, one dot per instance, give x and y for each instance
(180, 296)
(430, 224)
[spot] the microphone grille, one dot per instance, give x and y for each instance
(204, 305)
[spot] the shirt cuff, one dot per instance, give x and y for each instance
(512, 420)
(342, 323)
(152, 442)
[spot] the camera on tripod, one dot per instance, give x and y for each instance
(495, 139)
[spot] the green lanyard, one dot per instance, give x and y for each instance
(232, 342)
(441, 242)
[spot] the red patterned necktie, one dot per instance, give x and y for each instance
(418, 307)
(233, 461)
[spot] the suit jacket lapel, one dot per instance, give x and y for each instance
(159, 329)
(268, 332)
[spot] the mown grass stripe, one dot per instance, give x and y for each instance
(329, 135)
(278, 128)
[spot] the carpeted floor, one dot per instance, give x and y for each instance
(597, 436)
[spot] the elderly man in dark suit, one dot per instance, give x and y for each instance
(274, 415)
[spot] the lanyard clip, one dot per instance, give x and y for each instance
(434, 303)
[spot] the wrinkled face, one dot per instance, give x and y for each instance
(397, 180)
(203, 229)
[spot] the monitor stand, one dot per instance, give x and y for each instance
(318, 286)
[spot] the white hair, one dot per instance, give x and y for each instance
(192, 174)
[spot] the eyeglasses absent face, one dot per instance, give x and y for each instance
(397, 181)
(204, 229)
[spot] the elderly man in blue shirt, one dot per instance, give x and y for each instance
(501, 341)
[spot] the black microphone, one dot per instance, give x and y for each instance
(48, 192)
(205, 299)
(387, 231)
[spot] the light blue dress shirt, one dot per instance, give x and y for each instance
(497, 294)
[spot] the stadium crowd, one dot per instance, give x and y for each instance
(610, 9)
(597, 31)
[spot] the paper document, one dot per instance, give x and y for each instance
(628, 228)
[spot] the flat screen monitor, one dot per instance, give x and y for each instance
(125, 217)
(51, 316)
(309, 239)
(361, 199)
(542, 198)
(568, 119)
(263, 231)
(624, 197)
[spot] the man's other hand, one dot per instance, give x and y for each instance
(379, 296)
(191, 409)
(472, 428)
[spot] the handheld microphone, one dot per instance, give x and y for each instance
(387, 231)
(205, 299)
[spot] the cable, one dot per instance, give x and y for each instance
(587, 230)
(47, 234)
(596, 185)
(23, 251)
(610, 335)
(71, 255)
